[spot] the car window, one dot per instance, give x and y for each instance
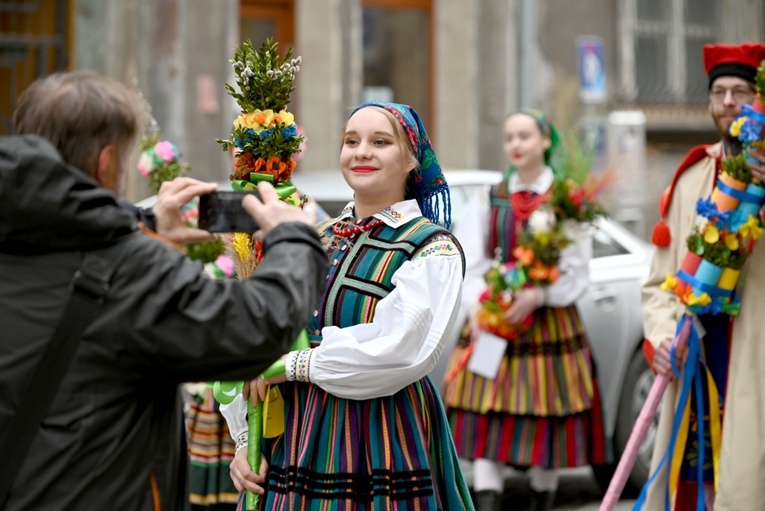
(604, 245)
(332, 208)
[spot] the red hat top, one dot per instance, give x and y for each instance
(739, 60)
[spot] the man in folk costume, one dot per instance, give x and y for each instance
(733, 346)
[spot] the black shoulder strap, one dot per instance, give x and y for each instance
(89, 289)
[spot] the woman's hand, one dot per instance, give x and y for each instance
(243, 476)
(524, 303)
(259, 386)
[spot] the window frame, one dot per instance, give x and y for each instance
(677, 32)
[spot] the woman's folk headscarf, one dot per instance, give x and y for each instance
(426, 183)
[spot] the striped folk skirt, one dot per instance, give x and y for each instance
(543, 408)
(390, 453)
(211, 450)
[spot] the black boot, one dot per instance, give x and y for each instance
(541, 500)
(488, 500)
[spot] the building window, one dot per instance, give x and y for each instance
(261, 19)
(35, 41)
(397, 53)
(661, 49)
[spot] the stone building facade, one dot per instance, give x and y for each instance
(464, 64)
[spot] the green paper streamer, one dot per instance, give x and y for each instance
(284, 190)
(238, 184)
(257, 177)
(255, 423)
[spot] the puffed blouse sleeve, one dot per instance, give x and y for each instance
(407, 334)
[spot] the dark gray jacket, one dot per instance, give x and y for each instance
(114, 437)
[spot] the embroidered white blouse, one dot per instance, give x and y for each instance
(406, 336)
(472, 231)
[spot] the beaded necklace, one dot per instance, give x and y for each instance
(356, 229)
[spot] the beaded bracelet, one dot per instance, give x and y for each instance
(241, 441)
(291, 365)
(303, 369)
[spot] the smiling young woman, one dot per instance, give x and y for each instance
(364, 426)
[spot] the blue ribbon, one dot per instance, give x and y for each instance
(738, 194)
(691, 377)
(707, 288)
(749, 111)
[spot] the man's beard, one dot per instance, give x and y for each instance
(731, 143)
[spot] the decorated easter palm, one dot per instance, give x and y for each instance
(265, 141)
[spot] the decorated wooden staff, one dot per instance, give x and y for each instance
(727, 225)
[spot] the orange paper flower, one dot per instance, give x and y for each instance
(524, 255)
(539, 271)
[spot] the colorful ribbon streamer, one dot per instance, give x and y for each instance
(693, 373)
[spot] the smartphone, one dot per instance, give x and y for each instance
(222, 211)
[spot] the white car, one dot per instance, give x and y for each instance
(610, 308)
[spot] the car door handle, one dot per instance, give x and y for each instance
(605, 298)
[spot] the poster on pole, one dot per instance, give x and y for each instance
(592, 69)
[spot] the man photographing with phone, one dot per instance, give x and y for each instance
(100, 323)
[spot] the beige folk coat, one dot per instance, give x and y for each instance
(742, 465)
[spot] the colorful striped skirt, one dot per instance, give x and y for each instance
(390, 453)
(542, 409)
(211, 450)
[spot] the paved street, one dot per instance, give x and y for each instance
(577, 491)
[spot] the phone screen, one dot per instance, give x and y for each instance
(222, 211)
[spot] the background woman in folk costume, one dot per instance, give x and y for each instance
(364, 425)
(541, 408)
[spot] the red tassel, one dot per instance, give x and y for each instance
(648, 352)
(661, 236)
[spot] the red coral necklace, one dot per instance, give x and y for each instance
(524, 204)
(356, 229)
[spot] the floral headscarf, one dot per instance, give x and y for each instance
(426, 184)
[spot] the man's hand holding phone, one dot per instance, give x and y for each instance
(269, 211)
(172, 196)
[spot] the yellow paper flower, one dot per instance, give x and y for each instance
(735, 128)
(731, 241)
(751, 228)
(702, 300)
(257, 120)
(285, 117)
(669, 283)
(711, 234)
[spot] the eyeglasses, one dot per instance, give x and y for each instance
(740, 95)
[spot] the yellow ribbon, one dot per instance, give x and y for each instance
(751, 228)
(715, 425)
(669, 283)
(702, 300)
(679, 454)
